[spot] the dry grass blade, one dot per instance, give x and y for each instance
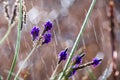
(107, 72)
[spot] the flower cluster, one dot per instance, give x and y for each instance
(95, 62)
(46, 35)
(76, 63)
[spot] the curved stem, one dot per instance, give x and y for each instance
(6, 34)
(17, 43)
(24, 62)
(77, 39)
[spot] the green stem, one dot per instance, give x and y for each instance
(91, 75)
(24, 62)
(77, 39)
(1, 78)
(54, 73)
(17, 43)
(6, 35)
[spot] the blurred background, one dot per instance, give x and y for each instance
(101, 37)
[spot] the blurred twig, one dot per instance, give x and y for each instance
(108, 71)
(112, 36)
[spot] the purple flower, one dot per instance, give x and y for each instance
(78, 59)
(72, 71)
(47, 26)
(62, 55)
(96, 62)
(47, 38)
(35, 32)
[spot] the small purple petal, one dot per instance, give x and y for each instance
(96, 62)
(62, 55)
(48, 25)
(35, 32)
(47, 38)
(78, 59)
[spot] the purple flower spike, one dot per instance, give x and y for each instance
(47, 26)
(35, 32)
(96, 62)
(62, 55)
(47, 38)
(78, 59)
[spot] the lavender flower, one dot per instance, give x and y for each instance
(47, 38)
(72, 71)
(47, 26)
(35, 32)
(78, 59)
(62, 55)
(96, 62)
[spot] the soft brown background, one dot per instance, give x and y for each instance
(96, 37)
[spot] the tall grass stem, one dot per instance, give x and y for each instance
(17, 42)
(77, 39)
(29, 55)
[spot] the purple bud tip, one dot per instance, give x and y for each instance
(48, 25)
(66, 49)
(62, 55)
(35, 32)
(78, 59)
(47, 38)
(96, 62)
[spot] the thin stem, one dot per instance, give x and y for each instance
(24, 62)
(91, 75)
(1, 78)
(77, 39)
(54, 73)
(6, 34)
(36, 45)
(17, 43)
